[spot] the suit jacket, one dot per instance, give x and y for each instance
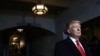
(67, 48)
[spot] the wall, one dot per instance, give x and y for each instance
(97, 32)
(40, 46)
(13, 18)
(43, 46)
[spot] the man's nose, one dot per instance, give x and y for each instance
(78, 29)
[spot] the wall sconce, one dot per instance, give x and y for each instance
(16, 41)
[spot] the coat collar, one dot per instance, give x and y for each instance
(69, 42)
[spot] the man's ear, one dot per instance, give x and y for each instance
(68, 31)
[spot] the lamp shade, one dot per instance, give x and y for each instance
(39, 9)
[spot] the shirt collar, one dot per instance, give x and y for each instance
(73, 39)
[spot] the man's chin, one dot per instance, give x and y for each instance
(78, 35)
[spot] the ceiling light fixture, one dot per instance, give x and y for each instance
(20, 29)
(39, 8)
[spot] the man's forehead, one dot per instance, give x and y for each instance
(75, 24)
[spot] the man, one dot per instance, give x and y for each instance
(72, 45)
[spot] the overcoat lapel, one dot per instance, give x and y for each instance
(72, 46)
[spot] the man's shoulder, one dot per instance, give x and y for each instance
(62, 41)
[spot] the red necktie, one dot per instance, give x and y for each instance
(82, 52)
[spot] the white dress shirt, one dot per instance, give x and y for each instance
(74, 41)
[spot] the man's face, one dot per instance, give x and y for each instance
(75, 30)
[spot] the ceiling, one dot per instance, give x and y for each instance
(54, 6)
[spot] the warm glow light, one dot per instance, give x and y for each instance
(13, 43)
(15, 38)
(39, 9)
(20, 30)
(22, 43)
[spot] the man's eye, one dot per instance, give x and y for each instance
(75, 27)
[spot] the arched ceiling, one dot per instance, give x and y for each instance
(54, 6)
(29, 33)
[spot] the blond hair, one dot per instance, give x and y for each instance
(69, 23)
